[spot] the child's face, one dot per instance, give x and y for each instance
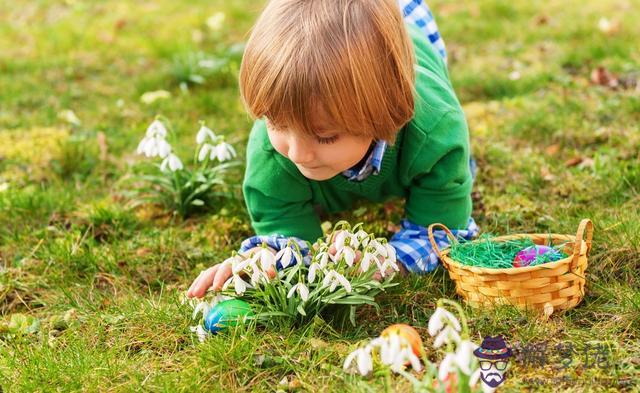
(321, 157)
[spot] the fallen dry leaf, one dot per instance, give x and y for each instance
(601, 76)
(571, 162)
(552, 150)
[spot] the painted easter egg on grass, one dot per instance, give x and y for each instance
(227, 313)
(408, 333)
(527, 256)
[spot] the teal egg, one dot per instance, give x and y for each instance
(227, 313)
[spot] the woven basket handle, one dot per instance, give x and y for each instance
(585, 227)
(432, 240)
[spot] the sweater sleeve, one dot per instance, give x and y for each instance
(277, 196)
(441, 182)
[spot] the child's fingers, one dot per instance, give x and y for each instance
(358, 256)
(203, 282)
(222, 275)
(332, 250)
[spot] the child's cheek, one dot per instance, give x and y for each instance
(278, 143)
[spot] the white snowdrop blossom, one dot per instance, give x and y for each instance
(286, 255)
(465, 356)
(266, 259)
(323, 259)
(200, 331)
(394, 351)
(302, 290)
(332, 279)
(173, 162)
(348, 253)
(363, 359)
(223, 152)
(205, 151)
(446, 336)
(205, 133)
(313, 270)
(239, 284)
(154, 144)
(367, 260)
(440, 318)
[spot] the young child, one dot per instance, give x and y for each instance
(351, 104)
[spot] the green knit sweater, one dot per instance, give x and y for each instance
(428, 166)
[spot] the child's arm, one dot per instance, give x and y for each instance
(440, 183)
(414, 250)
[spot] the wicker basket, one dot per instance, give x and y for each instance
(550, 286)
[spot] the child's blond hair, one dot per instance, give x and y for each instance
(353, 57)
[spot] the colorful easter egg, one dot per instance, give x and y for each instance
(529, 254)
(408, 333)
(227, 313)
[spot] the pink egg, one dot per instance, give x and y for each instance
(529, 254)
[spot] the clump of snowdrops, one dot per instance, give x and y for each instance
(300, 289)
(458, 371)
(177, 187)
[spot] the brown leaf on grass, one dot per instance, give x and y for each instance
(601, 76)
(552, 150)
(541, 20)
(571, 162)
(580, 162)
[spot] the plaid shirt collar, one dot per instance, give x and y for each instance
(371, 166)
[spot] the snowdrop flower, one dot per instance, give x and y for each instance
(223, 152)
(239, 284)
(156, 129)
(286, 255)
(447, 366)
(378, 248)
(348, 253)
(203, 307)
(203, 134)
(200, 332)
(464, 355)
(313, 270)
(363, 358)
(338, 241)
(173, 162)
(323, 259)
(366, 261)
(205, 151)
(154, 144)
(441, 317)
(302, 290)
(333, 279)
(362, 237)
(446, 336)
(396, 352)
(266, 259)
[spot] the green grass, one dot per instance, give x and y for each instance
(68, 240)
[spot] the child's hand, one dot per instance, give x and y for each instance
(214, 277)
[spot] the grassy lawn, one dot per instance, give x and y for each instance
(99, 282)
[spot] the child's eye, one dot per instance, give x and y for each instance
(327, 140)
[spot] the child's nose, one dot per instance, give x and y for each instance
(300, 152)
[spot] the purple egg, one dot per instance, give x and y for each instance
(529, 254)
